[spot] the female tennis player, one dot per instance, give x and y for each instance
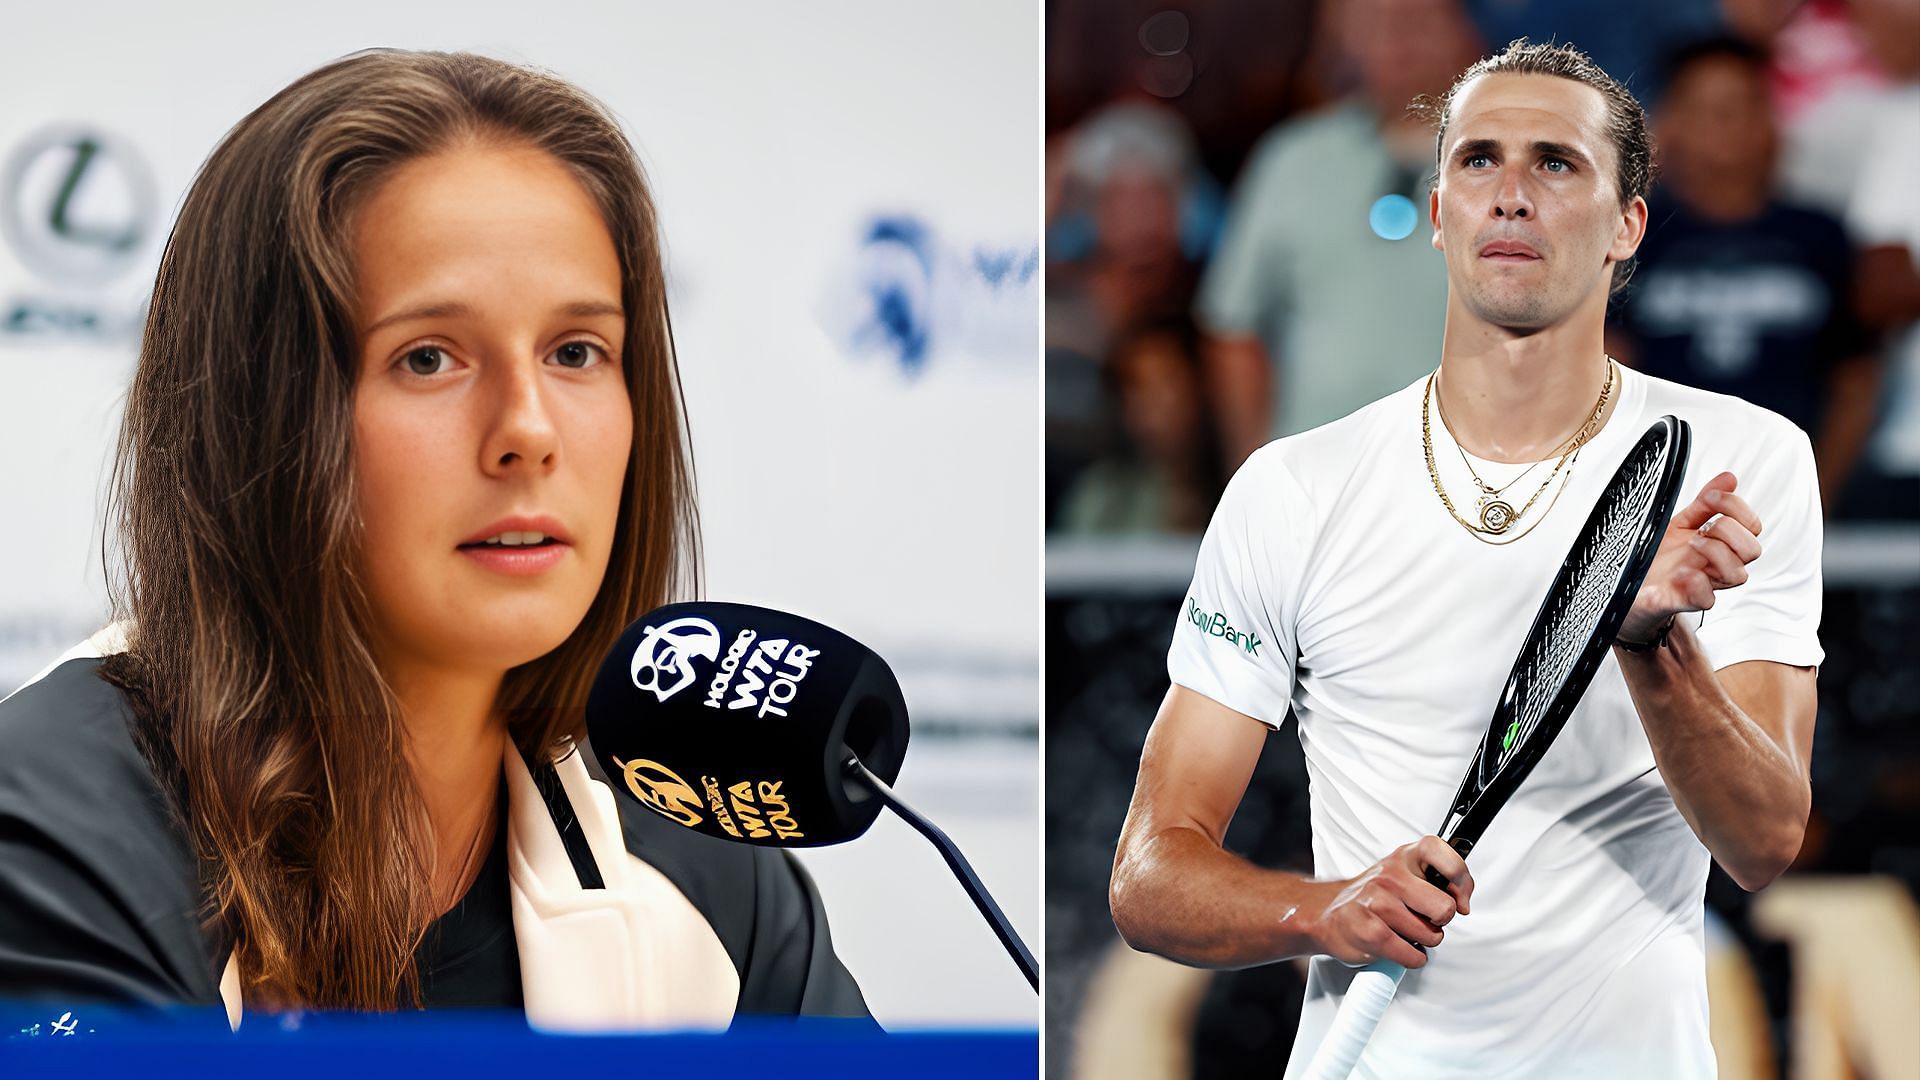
(1375, 578)
(403, 454)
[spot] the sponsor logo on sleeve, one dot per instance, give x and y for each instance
(1215, 624)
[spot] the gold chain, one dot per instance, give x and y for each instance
(1482, 484)
(1496, 515)
(1563, 448)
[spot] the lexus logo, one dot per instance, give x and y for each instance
(76, 204)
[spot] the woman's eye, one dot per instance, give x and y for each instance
(425, 360)
(578, 354)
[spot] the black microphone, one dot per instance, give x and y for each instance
(761, 727)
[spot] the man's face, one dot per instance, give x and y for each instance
(1527, 212)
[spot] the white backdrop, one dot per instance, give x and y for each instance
(885, 482)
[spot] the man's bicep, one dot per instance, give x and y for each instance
(1194, 770)
(1781, 699)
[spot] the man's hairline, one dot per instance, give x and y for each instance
(1446, 114)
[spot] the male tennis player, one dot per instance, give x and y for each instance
(1376, 577)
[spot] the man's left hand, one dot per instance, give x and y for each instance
(1707, 547)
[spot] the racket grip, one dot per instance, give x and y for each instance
(1366, 1002)
(1438, 880)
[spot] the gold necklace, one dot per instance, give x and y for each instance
(1496, 514)
(1575, 439)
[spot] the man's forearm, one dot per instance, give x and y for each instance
(1178, 894)
(1745, 796)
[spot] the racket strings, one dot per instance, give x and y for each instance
(1594, 570)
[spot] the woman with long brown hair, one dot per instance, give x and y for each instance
(403, 454)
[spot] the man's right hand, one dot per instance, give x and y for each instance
(1177, 892)
(1391, 907)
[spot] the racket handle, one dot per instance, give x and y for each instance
(1438, 880)
(1366, 1002)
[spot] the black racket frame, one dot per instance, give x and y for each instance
(1478, 799)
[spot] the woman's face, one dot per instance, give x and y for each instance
(490, 405)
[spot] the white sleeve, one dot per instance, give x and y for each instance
(1775, 615)
(1234, 638)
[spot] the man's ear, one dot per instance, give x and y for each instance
(1633, 229)
(1433, 215)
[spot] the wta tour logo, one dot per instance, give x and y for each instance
(663, 663)
(768, 676)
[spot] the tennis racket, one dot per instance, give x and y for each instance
(1590, 597)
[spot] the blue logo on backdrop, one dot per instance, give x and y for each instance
(897, 254)
(915, 297)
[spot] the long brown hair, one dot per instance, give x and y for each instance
(234, 500)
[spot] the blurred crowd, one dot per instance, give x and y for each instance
(1229, 257)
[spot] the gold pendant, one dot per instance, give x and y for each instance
(1496, 516)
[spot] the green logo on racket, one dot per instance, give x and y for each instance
(1506, 741)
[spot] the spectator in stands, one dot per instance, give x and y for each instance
(1165, 476)
(1308, 313)
(1123, 242)
(1127, 224)
(1735, 291)
(1824, 78)
(1883, 213)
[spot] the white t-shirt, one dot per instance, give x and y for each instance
(1332, 583)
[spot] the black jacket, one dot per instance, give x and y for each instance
(100, 893)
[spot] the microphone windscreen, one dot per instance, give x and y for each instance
(736, 721)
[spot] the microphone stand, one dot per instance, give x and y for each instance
(1016, 948)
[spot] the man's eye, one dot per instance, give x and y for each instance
(425, 360)
(1558, 165)
(1475, 161)
(579, 354)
